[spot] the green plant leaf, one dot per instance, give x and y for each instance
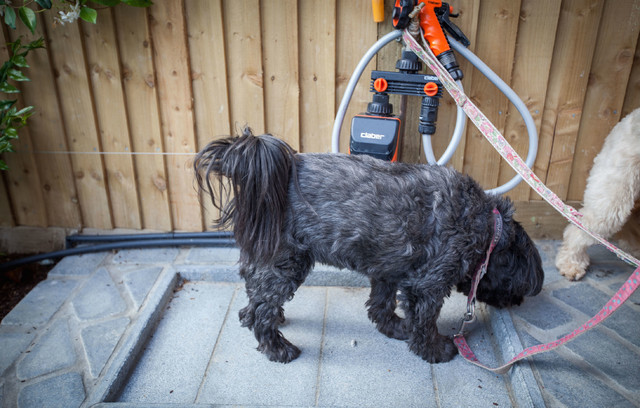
(10, 17)
(11, 132)
(108, 3)
(16, 75)
(3, 165)
(28, 17)
(35, 44)
(138, 3)
(6, 104)
(46, 4)
(8, 88)
(88, 14)
(19, 61)
(25, 110)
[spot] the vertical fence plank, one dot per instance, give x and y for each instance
(106, 80)
(569, 73)
(244, 64)
(632, 93)
(209, 77)
(139, 84)
(208, 69)
(176, 110)
(22, 177)
(65, 47)
(612, 60)
(469, 11)
(317, 42)
(47, 132)
(279, 23)
(537, 29)
(497, 30)
(355, 33)
(6, 216)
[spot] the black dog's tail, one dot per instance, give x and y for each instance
(259, 168)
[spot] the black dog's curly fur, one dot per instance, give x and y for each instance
(414, 230)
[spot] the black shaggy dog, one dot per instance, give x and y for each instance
(415, 230)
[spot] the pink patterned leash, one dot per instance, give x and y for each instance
(498, 141)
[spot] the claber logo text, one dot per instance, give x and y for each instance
(367, 135)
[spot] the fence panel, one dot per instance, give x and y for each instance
(122, 106)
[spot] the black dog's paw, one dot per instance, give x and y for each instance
(280, 351)
(247, 317)
(439, 350)
(395, 328)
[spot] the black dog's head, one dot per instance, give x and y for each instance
(514, 271)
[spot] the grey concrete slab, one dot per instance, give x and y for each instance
(617, 366)
(361, 367)
(567, 383)
(239, 374)
(51, 352)
(594, 369)
(590, 300)
(62, 391)
(130, 347)
(41, 303)
(146, 256)
(458, 383)
(79, 265)
(139, 282)
(213, 256)
(341, 350)
(13, 344)
(100, 340)
(98, 297)
(175, 359)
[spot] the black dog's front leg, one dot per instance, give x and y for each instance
(381, 309)
(422, 301)
(268, 288)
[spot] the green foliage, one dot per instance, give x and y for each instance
(12, 119)
(68, 11)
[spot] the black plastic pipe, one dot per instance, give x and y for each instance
(132, 244)
(73, 240)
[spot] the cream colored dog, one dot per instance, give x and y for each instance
(611, 199)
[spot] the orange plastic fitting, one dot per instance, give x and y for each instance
(431, 88)
(380, 85)
(378, 10)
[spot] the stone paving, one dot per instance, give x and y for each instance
(600, 368)
(142, 327)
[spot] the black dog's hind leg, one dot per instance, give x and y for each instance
(381, 309)
(422, 300)
(268, 288)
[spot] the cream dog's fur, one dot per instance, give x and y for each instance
(611, 199)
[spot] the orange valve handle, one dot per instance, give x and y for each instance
(380, 85)
(431, 89)
(431, 27)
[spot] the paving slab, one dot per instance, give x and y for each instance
(240, 375)
(41, 303)
(175, 359)
(599, 367)
(159, 328)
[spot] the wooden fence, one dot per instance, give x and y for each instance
(122, 106)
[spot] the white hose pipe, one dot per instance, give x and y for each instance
(515, 100)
